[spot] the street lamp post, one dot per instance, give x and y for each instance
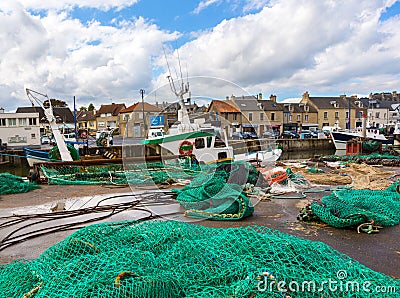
(144, 118)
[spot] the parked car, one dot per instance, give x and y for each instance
(45, 140)
(305, 134)
(290, 135)
(240, 136)
(251, 135)
(270, 134)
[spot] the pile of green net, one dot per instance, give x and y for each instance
(10, 184)
(157, 259)
(55, 154)
(220, 194)
(141, 173)
(80, 174)
(349, 207)
(371, 159)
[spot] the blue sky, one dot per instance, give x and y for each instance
(102, 51)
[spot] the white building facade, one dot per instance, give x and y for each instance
(19, 130)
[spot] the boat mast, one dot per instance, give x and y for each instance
(183, 117)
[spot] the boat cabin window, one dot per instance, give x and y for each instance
(199, 143)
(219, 143)
(222, 155)
(209, 141)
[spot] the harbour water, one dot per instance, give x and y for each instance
(21, 171)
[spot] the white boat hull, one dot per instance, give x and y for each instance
(260, 156)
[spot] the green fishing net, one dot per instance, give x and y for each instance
(54, 153)
(349, 207)
(220, 194)
(10, 184)
(176, 259)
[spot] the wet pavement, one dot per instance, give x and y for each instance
(380, 252)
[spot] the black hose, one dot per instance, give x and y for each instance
(113, 209)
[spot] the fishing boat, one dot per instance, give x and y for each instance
(341, 137)
(205, 143)
(34, 156)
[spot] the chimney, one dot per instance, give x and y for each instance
(1, 110)
(272, 98)
(260, 96)
(227, 97)
(306, 96)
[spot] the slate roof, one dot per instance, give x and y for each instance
(325, 103)
(113, 108)
(378, 104)
(247, 103)
(86, 116)
(269, 105)
(62, 114)
(138, 107)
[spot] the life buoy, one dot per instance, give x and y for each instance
(186, 148)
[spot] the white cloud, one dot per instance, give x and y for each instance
(204, 4)
(104, 5)
(288, 47)
(303, 45)
(62, 57)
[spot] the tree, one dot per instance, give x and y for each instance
(82, 109)
(55, 103)
(90, 107)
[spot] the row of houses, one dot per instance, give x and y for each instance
(255, 114)
(242, 113)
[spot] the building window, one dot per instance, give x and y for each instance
(32, 121)
(261, 116)
(12, 122)
(16, 139)
(298, 117)
(101, 123)
(384, 116)
(250, 116)
(336, 115)
(272, 116)
(347, 115)
(3, 122)
(325, 115)
(108, 114)
(91, 123)
(377, 115)
(290, 117)
(140, 115)
(306, 118)
(33, 136)
(103, 115)
(234, 117)
(360, 114)
(22, 121)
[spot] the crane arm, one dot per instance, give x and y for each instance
(62, 146)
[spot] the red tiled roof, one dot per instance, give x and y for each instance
(224, 106)
(114, 109)
(138, 107)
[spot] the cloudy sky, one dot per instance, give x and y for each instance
(103, 51)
